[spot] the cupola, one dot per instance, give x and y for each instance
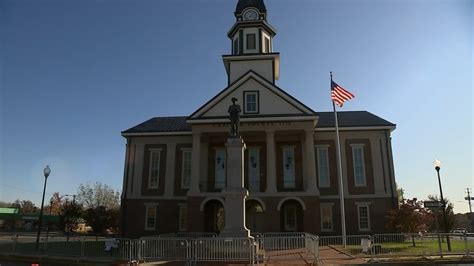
(251, 34)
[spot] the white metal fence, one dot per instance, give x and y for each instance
(268, 247)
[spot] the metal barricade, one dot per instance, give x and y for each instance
(114, 248)
(188, 235)
(292, 246)
(222, 249)
(163, 249)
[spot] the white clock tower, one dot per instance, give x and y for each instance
(252, 43)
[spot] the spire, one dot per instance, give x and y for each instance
(243, 4)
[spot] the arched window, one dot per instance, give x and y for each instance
(214, 216)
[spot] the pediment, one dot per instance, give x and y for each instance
(272, 101)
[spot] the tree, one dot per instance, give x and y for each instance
(56, 203)
(461, 220)
(98, 195)
(4, 204)
(71, 216)
(450, 219)
(25, 206)
(101, 218)
(409, 217)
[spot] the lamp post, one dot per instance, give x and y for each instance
(49, 222)
(46, 172)
(437, 166)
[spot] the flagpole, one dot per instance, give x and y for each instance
(339, 173)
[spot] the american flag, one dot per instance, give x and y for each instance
(339, 95)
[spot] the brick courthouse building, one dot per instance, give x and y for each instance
(175, 167)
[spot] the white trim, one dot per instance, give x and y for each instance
(254, 119)
(326, 205)
(271, 87)
(207, 121)
(256, 93)
(355, 128)
(173, 133)
(361, 146)
(150, 205)
(358, 205)
(303, 206)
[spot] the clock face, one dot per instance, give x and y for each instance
(250, 15)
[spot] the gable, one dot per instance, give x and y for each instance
(272, 101)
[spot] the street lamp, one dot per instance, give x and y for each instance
(437, 166)
(46, 172)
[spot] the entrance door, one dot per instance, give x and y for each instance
(253, 216)
(214, 216)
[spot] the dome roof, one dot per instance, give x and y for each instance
(243, 4)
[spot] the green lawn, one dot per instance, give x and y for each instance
(424, 246)
(75, 248)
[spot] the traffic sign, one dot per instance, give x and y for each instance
(433, 204)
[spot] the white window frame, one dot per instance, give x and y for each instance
(265, 36)
(147, 206)
(293, 184)
(247, 111)
(288, 227)
(150, 167)
(183, 172)
(361, 147)
(364, 205)
(182, 226)
(326, 148)
(327, 205)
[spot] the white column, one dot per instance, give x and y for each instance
(271, 162)
(310, 163)
(169, 175)
(195, 166)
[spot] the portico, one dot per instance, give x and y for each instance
(267, 138)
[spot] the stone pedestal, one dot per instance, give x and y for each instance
(235, 192)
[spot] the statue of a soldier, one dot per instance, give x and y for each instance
(234, 112)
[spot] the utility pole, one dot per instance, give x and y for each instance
(469, 198)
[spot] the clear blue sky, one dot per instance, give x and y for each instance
(76, 73)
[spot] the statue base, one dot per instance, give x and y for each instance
(235, 192)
